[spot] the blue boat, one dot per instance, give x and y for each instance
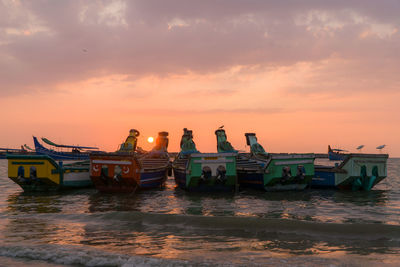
(355, 172)
(336, 154)
(76, 153)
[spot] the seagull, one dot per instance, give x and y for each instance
(221, 127)
(380, 147)
(360, 147)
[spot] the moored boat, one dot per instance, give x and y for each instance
(273, 171)
(75, 153)
(126, 170)
(336, 154)
(194, 171)
(356, 172)
(42, 173)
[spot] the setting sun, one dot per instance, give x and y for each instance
(150, 139)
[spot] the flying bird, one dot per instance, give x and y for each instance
(84, 50)
(360, 147)
(380, 147)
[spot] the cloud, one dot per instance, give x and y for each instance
(45, 43)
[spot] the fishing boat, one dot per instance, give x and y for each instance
(195, 171)
(74, 153)
(273, 171)
(126, 170)
(336, 153)
(25, 150)
(356, 172)
(42, 173)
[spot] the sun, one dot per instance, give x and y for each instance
(150, 139)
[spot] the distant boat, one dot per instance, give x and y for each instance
(43, 173)
(336, 154)
(12, 151)
(126, 170)
(273, 171)
(75, 152)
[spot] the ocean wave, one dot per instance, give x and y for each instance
(83, 256)
(227, 223)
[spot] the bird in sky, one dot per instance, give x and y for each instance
(360, 147)
(380, 147)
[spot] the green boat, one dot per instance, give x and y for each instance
(194, 171)
(356, 172)
(273, 171)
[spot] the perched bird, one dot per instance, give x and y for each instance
(221, 127)
(380, 147)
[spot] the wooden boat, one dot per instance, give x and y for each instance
(194, 171)
(24, 150)
(42, 173)
(355, 172)
(273, 171)
(126, 170)
(336, 154)
(75, 153)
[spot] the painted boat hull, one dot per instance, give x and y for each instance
(277, 172)
(125, 173)
(355, 172)
(190, 175)
(42, 173)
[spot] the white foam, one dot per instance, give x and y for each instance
(77, 255)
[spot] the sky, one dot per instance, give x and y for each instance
(301, 74)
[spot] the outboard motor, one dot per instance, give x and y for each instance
(286, 174)
(221, 174)
(301, 173)
(206, 173)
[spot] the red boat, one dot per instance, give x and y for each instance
(113, 172)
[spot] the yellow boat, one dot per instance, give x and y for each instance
(42, 173)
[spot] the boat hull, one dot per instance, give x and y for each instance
(42, 173)
(203, 172)
(125, 173)
(355, 172)
(278, 172)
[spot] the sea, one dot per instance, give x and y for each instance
(171, 227)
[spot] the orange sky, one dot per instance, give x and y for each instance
(300, 76)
